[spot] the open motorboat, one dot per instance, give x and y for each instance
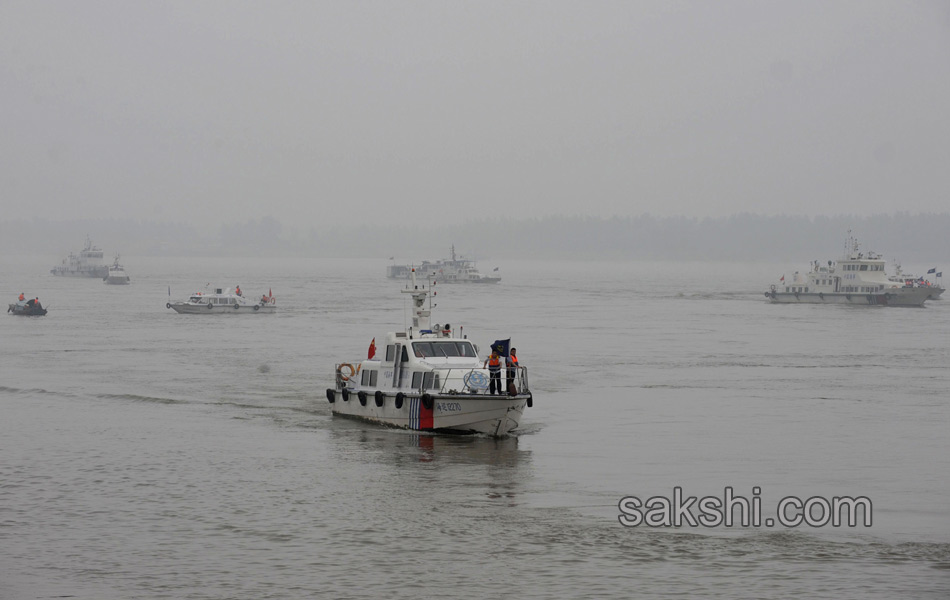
(857, 278)
(225, 301)
(117, 274)
(27, 308)
(428, 378)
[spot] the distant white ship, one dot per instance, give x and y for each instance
(88, 263)
(454, 270)
(857, 278)
(117, 274)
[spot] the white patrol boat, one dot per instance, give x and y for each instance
(224, 301)
(429, 379)
(857, 278)
(87, 263)
(909, 280)
(454, 270)
(117, 274)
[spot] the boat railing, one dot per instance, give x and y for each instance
(450, 378)
(443, 381)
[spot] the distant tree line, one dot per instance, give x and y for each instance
(741, 237)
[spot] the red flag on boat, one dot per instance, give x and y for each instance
(783, 278)
(270, 292)
(372, 349)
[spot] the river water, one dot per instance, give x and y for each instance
(146, 454)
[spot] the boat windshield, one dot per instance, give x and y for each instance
(443, 349)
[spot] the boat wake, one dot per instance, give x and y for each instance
(138, 398)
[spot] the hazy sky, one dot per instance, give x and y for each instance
(335, 113)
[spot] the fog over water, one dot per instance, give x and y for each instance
(329, 114)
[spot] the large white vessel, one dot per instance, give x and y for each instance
(857, 278)
(88, 263)
(117, 274)
(454, 270)
(428, 378)
(224, 301)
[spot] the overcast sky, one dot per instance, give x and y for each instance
(338, 113)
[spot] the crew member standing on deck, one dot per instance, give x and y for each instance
(494, 372)
(512, 370)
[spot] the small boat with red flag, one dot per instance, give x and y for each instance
(227, 301)
(430, 378)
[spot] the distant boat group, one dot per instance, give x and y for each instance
(89, 263)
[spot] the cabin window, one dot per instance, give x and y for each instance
(390, 353)
(365, 378)
(416, 380)
(372, 377)
(430, 381)
(864, 267)
(806, 289)
(405, 355)
(423, 349)
(443, 349)
(787, 288)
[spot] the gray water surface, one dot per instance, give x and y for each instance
(146, 454)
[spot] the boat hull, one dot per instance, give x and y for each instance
(900, 297)
(113, 280)
(473, 280)
(25, 310)
(455, 413)
(187, 308)
(99, 272)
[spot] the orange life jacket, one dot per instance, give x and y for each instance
(494, 361)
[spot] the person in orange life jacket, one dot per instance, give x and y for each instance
(238, 290)
(494, 372)
(22, 297)
(512, 366)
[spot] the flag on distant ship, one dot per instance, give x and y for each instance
(940, 274)
(372, 349)
(933, 270)
(783, 278)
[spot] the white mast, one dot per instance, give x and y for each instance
(420, 315)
